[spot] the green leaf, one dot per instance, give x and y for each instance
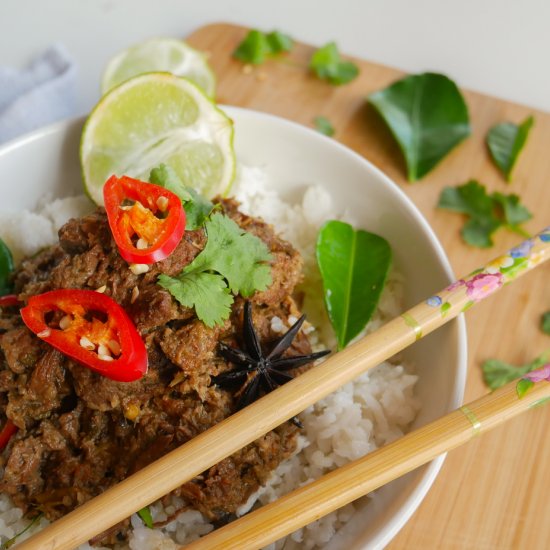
(206, 292)
(197, 208)
(354, 265)
(485, 213)
(323, 125)
(327, 64)
(253, 48)
(237, 255)
(145, 515)
(514, 212)
(545, 323)
(6, 268)
(470, 198)
(232, 261)
(257, 45)
(497, 373)
(166, 177)
(279, 42)
(427, 115)
(505, 142)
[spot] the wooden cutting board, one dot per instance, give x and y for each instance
(495, 491)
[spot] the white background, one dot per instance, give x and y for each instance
(499, 47)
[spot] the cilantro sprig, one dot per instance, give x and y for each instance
(485, 212)
(232, 262)
(257, 46)
(497, 373)
(327, 64)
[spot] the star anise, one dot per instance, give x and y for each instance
(258, 373)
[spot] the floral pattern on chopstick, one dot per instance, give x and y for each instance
(487, 280)
(531, 378)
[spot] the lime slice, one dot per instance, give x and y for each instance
(158, 118)
(160, 54)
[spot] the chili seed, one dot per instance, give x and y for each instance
(44, 333)
(142, 244)
(114, 346)
(102, 349)
(87, 344)
(135, 294)
(162, 203)
(105, 357)
(101, 289)
(65, 322)
(139, 269)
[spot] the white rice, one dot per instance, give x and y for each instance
(374, 410)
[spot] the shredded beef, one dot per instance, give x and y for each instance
(80, 433)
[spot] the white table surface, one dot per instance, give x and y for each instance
(498, 47)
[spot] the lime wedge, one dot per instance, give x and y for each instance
(160, 55)
(158, 118)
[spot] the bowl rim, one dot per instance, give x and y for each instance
(409, 505)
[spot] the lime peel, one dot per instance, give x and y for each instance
(160, 55)
(158, 118)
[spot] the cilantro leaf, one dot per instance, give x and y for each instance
(206, 292)
(428, 117)
(477, 232)
(545, 323)
(257, 45)
(233, 261)
(514, 212)
(237, 255)
(197, 208)
(327, 64)
(323, 125)
(497, 373)
(279, 42)
(166, 177)
(505, 142)
(253, 48)
(486, 213)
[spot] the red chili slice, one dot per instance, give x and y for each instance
(8, 300)
(91, 328)
(8, 431)
(149, 229)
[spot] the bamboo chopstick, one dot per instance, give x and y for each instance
(208, 448)
(356, 479)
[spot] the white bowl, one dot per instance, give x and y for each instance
(47, 162)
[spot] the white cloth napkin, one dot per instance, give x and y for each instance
(38, 95)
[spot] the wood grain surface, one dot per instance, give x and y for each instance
(495, 491)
